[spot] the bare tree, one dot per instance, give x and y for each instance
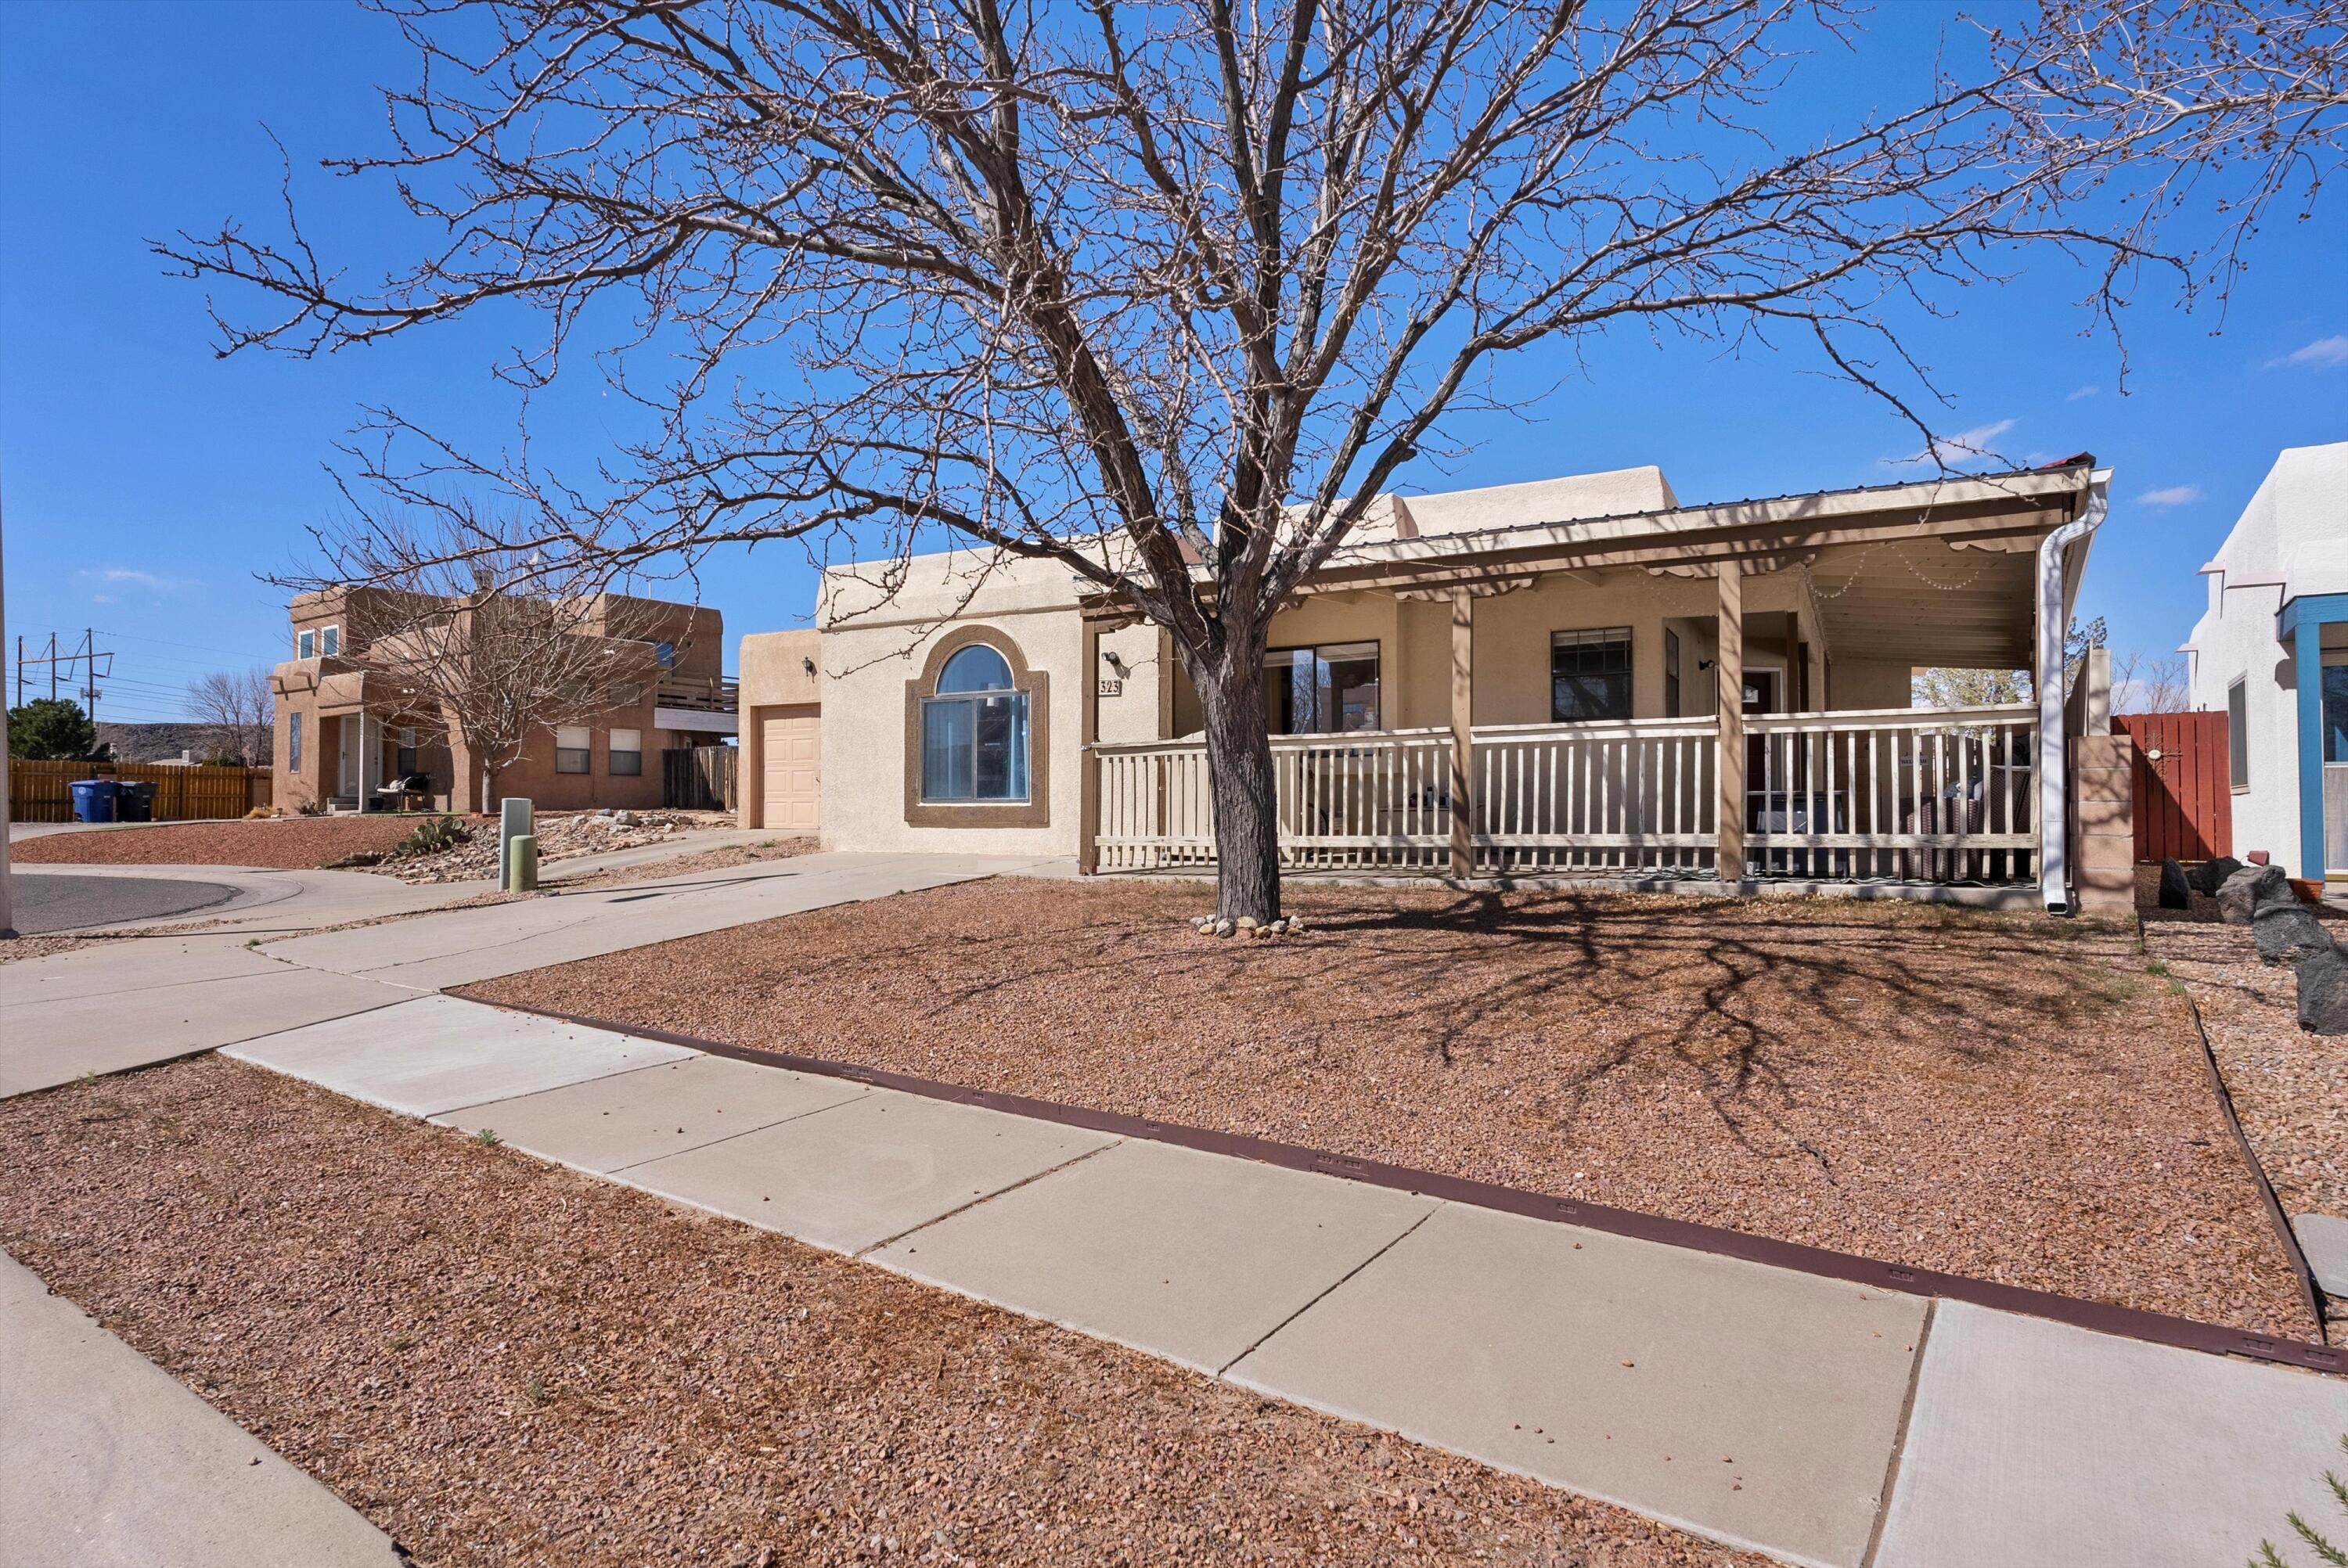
(2142, 685)
(238, 709)
(1166, 296)
(464, 649)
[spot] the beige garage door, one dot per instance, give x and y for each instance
(792, 778)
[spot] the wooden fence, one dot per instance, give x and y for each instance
(42, 791)
(699, 778)
(2184, 795)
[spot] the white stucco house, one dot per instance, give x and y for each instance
(1581, 675)
(2272, 652)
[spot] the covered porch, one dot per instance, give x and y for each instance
(1711, 694)
(379, 750)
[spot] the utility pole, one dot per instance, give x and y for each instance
(93, 662)
(7, 898)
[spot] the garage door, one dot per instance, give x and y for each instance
(790, 739)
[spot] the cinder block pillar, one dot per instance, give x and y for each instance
(2102, 813)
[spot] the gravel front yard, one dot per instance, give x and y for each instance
(2289, 1087)
(2007, 1096)
(500, 1362)
(279, 843)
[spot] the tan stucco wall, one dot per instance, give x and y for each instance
(1860, 683)
(773, 668)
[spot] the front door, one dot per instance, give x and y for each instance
(792, 786)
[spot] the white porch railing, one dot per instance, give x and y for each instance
(1900, 793)
(1922, 794)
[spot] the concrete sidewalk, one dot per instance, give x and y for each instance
(1811, 1418)
(463, 946)
(106, 1461)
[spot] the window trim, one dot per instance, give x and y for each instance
(330, 642)
(1673, 696)
(1599, 636)
(614, 752)
(306, 643)
(1378, 644)
(2238, 733)
(293, 741)
(1036, 811)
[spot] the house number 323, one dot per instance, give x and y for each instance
(1112, 688)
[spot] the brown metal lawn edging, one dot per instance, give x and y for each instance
(2156, 1327)
(2308, 1288)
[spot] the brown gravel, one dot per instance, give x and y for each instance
(2007, 1096)
(2289, 1087)
(500, 1362)
(694, 863)
(282, 844)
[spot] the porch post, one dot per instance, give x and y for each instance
(1087, 765)
(1463, 752)
(1729, 666)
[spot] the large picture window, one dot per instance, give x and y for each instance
(974, 731)
(1321, 690)
(1590, 674)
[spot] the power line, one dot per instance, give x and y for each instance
(192, 647)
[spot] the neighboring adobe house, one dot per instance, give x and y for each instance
(1560, 644)
(353, 718)
(2272, 654)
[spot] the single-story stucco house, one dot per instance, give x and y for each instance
(2272, 654)
(1561, 648)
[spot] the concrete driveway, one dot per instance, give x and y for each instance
(129, 1003)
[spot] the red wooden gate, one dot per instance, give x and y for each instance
(2184, 795)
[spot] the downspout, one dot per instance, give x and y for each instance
(2054, 755)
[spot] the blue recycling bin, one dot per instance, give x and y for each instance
(94, 799)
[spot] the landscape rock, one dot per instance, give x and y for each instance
(2176, 887)
(2324, 992)
(2210, 875)
(2287, 933)
(2248, 888)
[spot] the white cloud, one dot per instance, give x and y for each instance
(2082, 392)
(2174, 496)
(1956, 448)
(136, 578)
(2324, 352)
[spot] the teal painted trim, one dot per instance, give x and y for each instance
(2308, 655)
(2317, 607)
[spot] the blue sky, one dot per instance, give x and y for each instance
(147, 481)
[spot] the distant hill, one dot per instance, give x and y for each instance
(155, 743)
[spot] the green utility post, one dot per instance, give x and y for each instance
(521, 863)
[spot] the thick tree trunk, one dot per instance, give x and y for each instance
(1247, 817)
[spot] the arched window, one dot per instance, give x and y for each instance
(976, 668)
(974, 731)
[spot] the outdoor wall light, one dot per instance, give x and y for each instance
(1110, 656)
(806, 663)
